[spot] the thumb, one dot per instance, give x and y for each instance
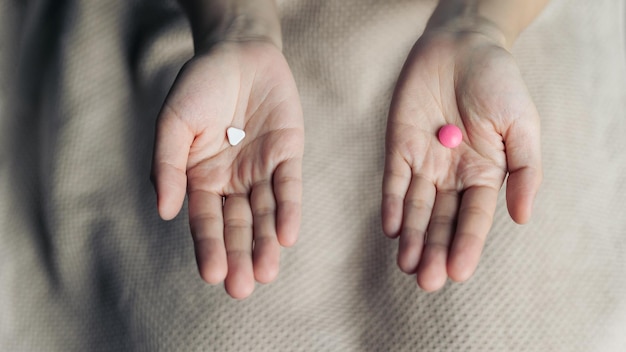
(523, 153)
(173, 141)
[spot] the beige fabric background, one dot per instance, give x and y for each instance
(86, 265)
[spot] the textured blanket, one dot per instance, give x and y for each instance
(87, 265)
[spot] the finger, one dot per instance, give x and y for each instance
(266, 252)
(238, 240)
(207, 229)
(396, 180)
(474, 221)
(523, 152)
(418, 207)
(173, 140)
(432, 270)
(288, 192)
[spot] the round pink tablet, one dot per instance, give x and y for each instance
(450, 136)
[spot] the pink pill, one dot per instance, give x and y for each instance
(450, 136)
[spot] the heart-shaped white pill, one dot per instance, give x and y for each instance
(235, 135)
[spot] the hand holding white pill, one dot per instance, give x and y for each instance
(440, 187)
(230, 135)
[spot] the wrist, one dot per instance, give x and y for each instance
(499, 20)
(233, 20)
(466, 27)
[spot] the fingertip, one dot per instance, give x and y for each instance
(288, 225)
(288, 240)
(521, 191)
(239, 288)
(520, 213)
(266, 274)
(520, 205)
(409, 253)
(391, 214)
(431, 282)
(463, 258)
(407, 264)
(168, 209)
(166, 212)
(288, 192)
(459, 275)
(213, 276)
(397, 178)
(170, 185)
(431, 272)
(460, 269)
(211, 260)
(266, 259)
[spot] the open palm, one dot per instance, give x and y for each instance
(244, 200)
(441, 201)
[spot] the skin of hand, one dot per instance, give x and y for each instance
(440, 202)
(245, 200)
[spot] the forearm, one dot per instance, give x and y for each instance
(237, 20)
(509, 17)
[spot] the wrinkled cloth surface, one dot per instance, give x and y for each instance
(87, 265)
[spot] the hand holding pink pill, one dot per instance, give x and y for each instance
(440, 202)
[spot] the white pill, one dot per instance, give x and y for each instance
(235, 135)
